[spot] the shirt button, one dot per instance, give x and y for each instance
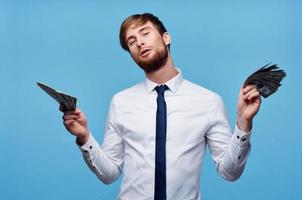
(243, 139)
(239, 157)
(90, 147)
(237, 136)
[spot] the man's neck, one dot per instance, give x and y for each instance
(165, 73)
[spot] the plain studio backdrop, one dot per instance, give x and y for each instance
(74, 47)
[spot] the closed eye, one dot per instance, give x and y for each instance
(131, 42)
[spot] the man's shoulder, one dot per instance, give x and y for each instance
(134, 90)
(198, 89)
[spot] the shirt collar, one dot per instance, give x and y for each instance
(173, 84)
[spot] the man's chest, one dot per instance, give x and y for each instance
(188, 119)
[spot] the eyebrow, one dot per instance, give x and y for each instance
(140, 30)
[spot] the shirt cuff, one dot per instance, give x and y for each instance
(240, 137)
(90, 146)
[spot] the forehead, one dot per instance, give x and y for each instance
(134, 28)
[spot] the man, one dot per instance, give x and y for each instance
(157, 130)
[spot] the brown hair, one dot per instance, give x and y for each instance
(139, 20)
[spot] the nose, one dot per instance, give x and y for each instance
(140, 42)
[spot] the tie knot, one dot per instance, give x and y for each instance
(160, 89)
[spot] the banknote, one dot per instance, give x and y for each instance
(267, 79)
(69, 102)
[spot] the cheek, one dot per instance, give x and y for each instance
(159, 42)
(133, 54)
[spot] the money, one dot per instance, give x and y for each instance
(267, 79)
(69, 102)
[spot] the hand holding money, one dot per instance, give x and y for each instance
(76, 123)
(73, 119)
(248, 105)
(264, 82)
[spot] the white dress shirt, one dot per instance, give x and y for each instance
(195, 118)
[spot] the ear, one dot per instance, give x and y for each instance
(166, 38)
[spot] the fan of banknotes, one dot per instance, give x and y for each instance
(267, 79)
(69, 102)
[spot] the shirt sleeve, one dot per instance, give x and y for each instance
(105, 160)
(229, 151)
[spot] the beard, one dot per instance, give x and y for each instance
(152, 63)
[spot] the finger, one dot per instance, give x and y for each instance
(241, 93)
(253, 95)
(67, 117)
(248, 88)
(241, 90)
(250, 92)
(77, 111)
(68, 122)
(246, 95)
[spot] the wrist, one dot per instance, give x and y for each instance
(82, 139)
(244, 124)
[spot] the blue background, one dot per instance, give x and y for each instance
(73, 46)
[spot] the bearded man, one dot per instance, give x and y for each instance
(157, 131)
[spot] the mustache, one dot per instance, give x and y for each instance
(144, 50)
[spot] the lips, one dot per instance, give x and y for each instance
(144, 52)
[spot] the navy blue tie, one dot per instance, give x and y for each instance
(160, 150)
